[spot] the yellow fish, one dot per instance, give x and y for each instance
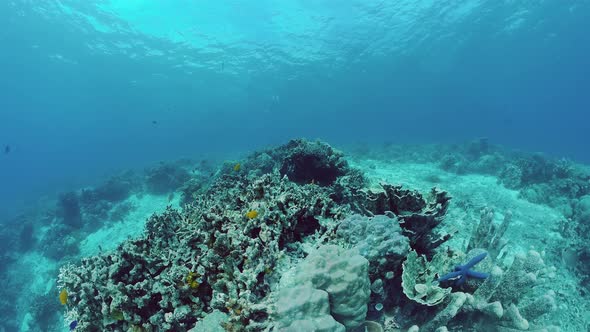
(237, 167)
(252, 214)
(63, 296)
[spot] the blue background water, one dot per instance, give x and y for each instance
(82, 81)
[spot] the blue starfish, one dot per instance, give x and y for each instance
(463, 272)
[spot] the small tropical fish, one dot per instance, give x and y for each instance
(154, 122)
(63, 297)
(73, 325)
(6, 149)
(237, 167)
(252, 214)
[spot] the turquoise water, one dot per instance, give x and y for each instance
(91, 89)
(82, 81)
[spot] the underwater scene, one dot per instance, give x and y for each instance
(295, 165)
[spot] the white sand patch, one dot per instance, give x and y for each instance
(112, 234)
(532, 224)
(37, 271)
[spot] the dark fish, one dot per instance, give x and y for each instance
(154, 122)
(73, 325)
(6, 149)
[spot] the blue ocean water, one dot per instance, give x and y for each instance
(83, 81)
(89, 88)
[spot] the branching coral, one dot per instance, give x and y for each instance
(147, 282)
(489, 235)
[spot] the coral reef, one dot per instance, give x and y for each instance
(379, 239)
(166, 178)
(191, 189)
(292, 237)
(303, 162)
(508, 300)
(418, 215)
(231, 256)
(143, 282)
(69, 209)
(113, 190)
(576, 233)
(489, 235)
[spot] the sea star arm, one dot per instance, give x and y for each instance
(464, 272)
(451, 276)
(478, 275)
(475, 260)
